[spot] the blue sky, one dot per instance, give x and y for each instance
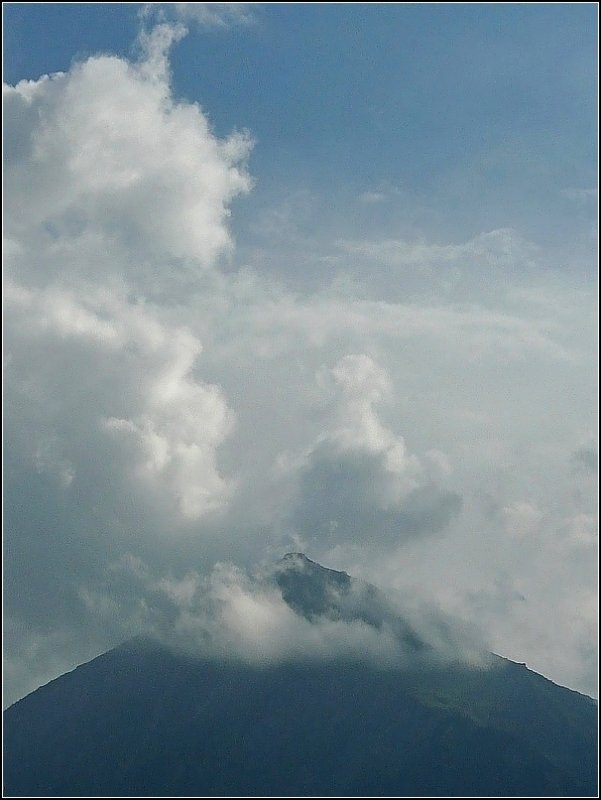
(484, 110)
(300, 277)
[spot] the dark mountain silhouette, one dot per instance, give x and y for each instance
(144, 720)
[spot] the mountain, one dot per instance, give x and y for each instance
(316, 592)
(144, 720)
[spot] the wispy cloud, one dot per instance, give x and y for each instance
(207, 15)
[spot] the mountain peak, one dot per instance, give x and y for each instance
(314, 591)
(303, 562)
(292, 557)
(308, 588)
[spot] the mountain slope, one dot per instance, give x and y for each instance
(506, 695)
(316, 592)
(141, 720)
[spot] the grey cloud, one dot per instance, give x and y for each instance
(358, 483)
(587, 459)
(349, 497)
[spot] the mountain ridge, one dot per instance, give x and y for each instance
(143, 720)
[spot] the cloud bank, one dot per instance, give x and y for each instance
(173, 403)
(229, 613)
